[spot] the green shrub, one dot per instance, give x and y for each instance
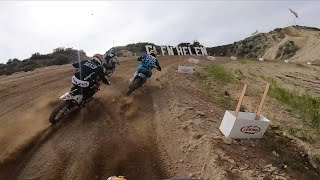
(219, 73)
(305, 105)
(301, 65)
(252, 74)
(272, 81)
(29, 68)
(239, 72)
(287, 50)
(59, 56)
(61, 59)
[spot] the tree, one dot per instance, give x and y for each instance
(184, 44)
(196, 44)
(61, 59)
(9, 61)
(35, 56)
(59, 56)
(59, 49)
(15, 60)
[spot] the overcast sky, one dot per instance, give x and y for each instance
(29, 27)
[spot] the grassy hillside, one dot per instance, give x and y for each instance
(132, 49)
(59, 56)
(295, 43)
(251, 47)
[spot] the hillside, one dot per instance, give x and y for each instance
(59, 56)
(295, 43)
(62, 55)
(132, 49)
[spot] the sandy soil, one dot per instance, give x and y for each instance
(112, 130)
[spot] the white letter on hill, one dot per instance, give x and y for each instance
(179, 50)
(170, 50)
(163, 50)
(147, 48)
(184, 50)
(204, 51)
(190, 52)
(196, 49)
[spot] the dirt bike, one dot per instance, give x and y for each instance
(110, 67)
(137, 81)
(70, 103)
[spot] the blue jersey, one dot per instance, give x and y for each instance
(148, 61)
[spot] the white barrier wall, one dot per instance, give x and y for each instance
(194, 61)
(244, 126)
(185, 69)
(233, 58)
(211, 58)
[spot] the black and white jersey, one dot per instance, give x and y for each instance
(88, 71)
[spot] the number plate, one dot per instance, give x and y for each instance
(141, 75)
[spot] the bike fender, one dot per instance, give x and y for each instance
(67, 97)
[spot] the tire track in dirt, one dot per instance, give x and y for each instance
(114, 135)
(115, 141)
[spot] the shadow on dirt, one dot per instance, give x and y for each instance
(113, 135)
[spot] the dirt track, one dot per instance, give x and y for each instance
(170, 131)
(114, 135)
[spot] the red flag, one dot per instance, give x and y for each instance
(294, 13)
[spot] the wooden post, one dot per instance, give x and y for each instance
(262, 101)
(240, 100)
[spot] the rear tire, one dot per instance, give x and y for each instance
(135, 84)
(60, 112)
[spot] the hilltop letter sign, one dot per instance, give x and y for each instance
(179, 50)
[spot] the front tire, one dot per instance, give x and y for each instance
(109, 73)
(60, 112)
(135, 84)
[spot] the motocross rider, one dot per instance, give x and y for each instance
(87, 75)
(109, 58)
(148, 62)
